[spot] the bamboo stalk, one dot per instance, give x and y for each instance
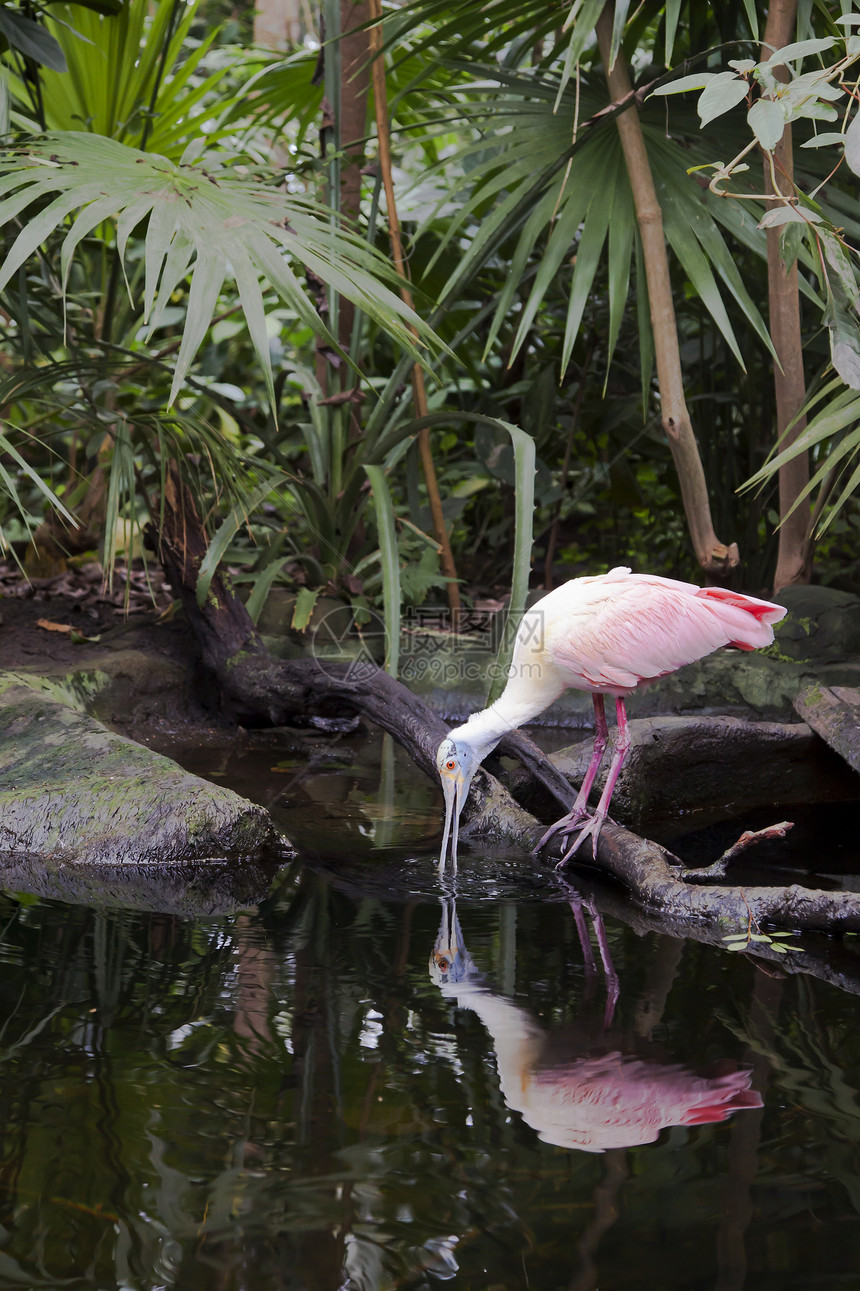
(714, 556)
(794, 559)
(419, 391)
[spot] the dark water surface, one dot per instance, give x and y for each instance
(368, 1079)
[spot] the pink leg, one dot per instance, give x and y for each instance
(613, 988)
(579, 811)
(582, 933)
(622, 748)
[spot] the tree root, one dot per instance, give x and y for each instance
(263, 690)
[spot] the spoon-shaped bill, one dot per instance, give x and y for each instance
(453, 791)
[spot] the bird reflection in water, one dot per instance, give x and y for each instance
(575, 1086)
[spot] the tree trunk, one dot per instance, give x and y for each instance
(277, 24)
(351, 125)
(794, 561)
(714, 556)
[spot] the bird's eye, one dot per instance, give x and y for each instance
(451, 764)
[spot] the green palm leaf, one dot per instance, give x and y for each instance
(131, 77)
(526, 179)
(206, 223)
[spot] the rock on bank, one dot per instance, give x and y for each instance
(71, 790)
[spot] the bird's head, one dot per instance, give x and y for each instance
(456, 762)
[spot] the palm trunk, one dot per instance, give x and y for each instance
(714, 556)
(354, 52)
(794, 559)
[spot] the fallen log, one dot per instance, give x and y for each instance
(834, 712)
(261, 689)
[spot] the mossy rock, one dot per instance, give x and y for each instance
(822, 624)
(71, 790)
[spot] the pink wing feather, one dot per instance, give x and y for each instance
(611, 633)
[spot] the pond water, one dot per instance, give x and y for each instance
(353, 1074)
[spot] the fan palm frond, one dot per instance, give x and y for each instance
(565, 194)
(205, 223)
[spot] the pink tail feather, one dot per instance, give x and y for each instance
(763, 611)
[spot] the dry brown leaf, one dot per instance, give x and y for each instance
(50, 626)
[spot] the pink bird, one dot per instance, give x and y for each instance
(609, 635)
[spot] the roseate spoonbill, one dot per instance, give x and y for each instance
(607, 634)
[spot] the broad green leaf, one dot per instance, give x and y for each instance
(228, 529)
(848, 490)
(767, 122)
(852, 144)
(306, 599)
(622, 231)
(845, 351)
(643, 323)
(688, 250)
(720, 95)
(31, 39)
(673, 13)
(696, 81)
(385, 528)
(842, 275)
(591, 243)
(595, 211)
(840, 408)
(619, 19)
(844, 326)
(583, 21)
(800, 49)
(813, 111)
(752, 17)
(815, 82)
(118, 70)
(253, 307)
(262, 587)
(559, 243)
(788, 215)
(824, 140)
(208, 276)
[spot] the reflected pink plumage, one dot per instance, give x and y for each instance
(618, 1101)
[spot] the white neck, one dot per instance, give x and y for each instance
(520, 701)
